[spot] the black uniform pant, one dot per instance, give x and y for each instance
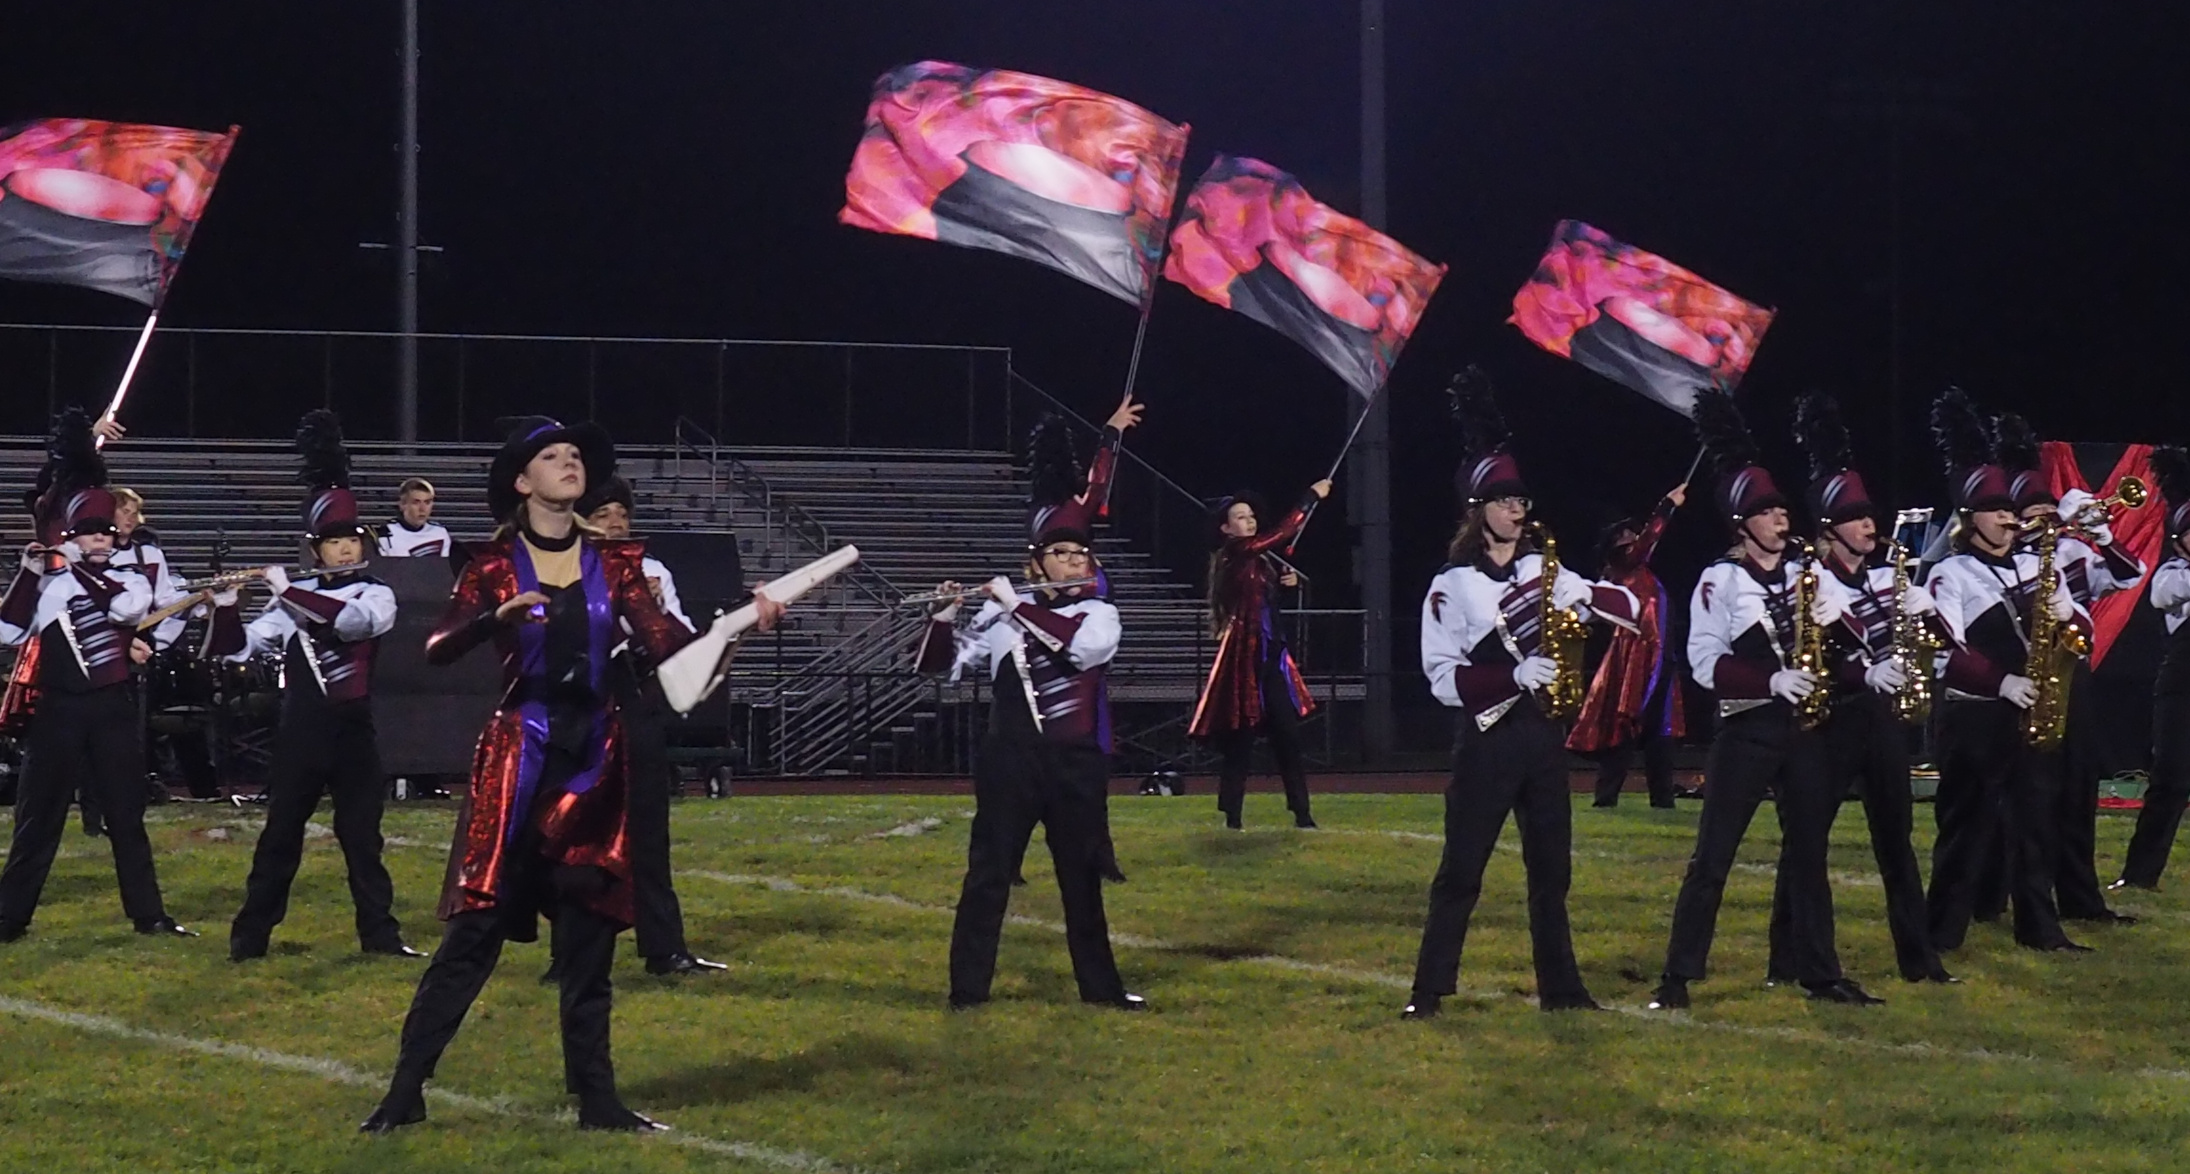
(2076, 875)
(1517, 766)
(660, 919)
(87, 741)
(1865, 742)
(331, 750)
(1657, 751)
(1762, 750)
(1998, 800)
(1281, 725)
(2169, 790)
(1018, 782)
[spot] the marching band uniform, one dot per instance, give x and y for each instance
(1635, 698)
(1253, 684)
(2161, 815)
(1996, 792)
(403, 540)
(1742, 633)
(1046, 760)
(1865, 740)
(1482, 649)
(141, 552)
(80, 619)
(543, 827)
(326, 628)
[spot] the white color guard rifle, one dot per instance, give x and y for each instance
(694, 672)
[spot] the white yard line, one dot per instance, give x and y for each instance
(337, 1072)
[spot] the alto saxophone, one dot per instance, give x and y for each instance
(1810, 712)
(1915, 648)
(2055, 647)
(1563, 635)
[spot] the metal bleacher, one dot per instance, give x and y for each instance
(834, 687)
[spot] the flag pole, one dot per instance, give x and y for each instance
(1140, 331)
(1338, 464)
(129, 373)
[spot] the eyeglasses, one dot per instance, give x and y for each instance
(1520, 503)
(1069, 553)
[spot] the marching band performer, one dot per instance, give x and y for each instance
(138, 545)
(1995, 789)
(326, 628)
(1865, 739)
(2091, 570)
(1744, 644)
(414, 533)
(2170, 787)
(76, 624)
(1485, 652)
(1253, 686)
(1635, 698)
(543, 826)
(1045, 758)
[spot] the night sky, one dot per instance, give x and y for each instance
(674, 168)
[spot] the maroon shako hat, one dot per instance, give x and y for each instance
(1487, 471)
(1836, 492)
(330, 509)
(1743, 488)
(1058, 509)
(1974, 481)
(2171, 468)
(2015, 446)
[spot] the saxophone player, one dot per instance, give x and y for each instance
(1485, 651)
(1994, 792)
(2092, 567)
(2163, 801)
(1746, 631)
(1865, 740)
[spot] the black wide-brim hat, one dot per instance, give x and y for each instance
(527, 436)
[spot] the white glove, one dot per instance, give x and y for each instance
(1001, 590)
(2063, 608)
(34, 558)
(1535, 672)
(277, 580)
(1885, 677)
(2101, 534)
(70, 552)
(1792, 685)
(949, 614)
(1918, 602)
(1570, 592)
(226, 598)
(2073, 503)
(1826, 610)
(2021, 690)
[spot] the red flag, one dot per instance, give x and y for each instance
(1636, 318)
(105, 205)
(1253, 240)
(1044, 170)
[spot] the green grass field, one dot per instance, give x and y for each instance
(1275, 960)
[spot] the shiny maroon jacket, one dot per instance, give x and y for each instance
(1637, 661)
(1231, 699)
(583, 827)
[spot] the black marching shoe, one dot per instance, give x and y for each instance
(1671, 995)
(12, 931)
(398, 950)
(967, 1002)
(2065, 946)
(1231, 821)
(553, 975)
(2126, 883)
(1581, 1002)
(1777, 978)
(685, 962)
(2107, 917)
(1303, 821)
(1845, 992)
(1125, 1002)
(614, 1115)
(1422, 1007)
(165, 927)
(245, 949)
(401, 1107)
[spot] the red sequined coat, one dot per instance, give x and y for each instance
(583, 827)
(1231, 699)
(1637, 662)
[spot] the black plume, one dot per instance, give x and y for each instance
(1822, 434)
(319, 442)
(1959, 432)
(1724, 434)
(1053, 462)
(1475, 408)
(2014, 444)
(2171, 468)
(73, 458)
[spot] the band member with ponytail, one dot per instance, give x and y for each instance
(326, 628)
(1865, 739)
(1045, 759)
(542, 829)
(1253, 686)
(1995, 789)
(2170, 789)
(75, 618)
(2092, 567)
(1743, 645)
(1635, 698)
(1483, 649)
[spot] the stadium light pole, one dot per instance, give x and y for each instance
(406, 238)
(1369, 473)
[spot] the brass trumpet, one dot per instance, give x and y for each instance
(2129, 492)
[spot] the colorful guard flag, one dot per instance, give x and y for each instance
(1636, 318)
(991, 159)
(1253, 240)
(105, 205)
